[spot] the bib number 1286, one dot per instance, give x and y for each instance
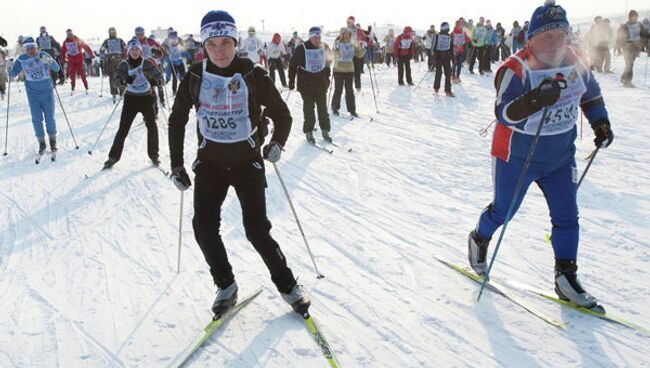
(220, 123)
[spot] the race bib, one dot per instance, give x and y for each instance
(347, 52)
(459, 39)
(34, 69)
(174, 53)
(635, 31)
(479, 33)
(223, 109)
(73, 48)
(114, 46)
(45, 42)
(146, 50)
(274, 51)
(140, 85)
(444, 41)
(405, 43)
(562, 116)
(315, 60)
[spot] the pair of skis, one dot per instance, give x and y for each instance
(217, 321)
(498, 289)
(39, 156)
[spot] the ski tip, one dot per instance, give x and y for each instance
(90, 152)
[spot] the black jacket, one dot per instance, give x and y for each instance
(150, 69)
(311, 83)
(262, 92)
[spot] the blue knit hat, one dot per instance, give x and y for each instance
(218, 23)
(133, 44)
(547, 17)
(139, 30)
(28, 42)
(314, 32)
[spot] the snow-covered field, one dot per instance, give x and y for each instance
(88, 267)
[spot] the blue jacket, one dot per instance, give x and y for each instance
(512, 139)
(40, 71)
(492, 37)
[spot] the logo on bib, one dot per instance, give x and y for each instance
(234, 86)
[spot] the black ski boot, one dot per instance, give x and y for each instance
(155, 161)
(41, 145)
(326, 136)
(53, 146)
(226, 299)
(568, 288)
(477, 252)
(310, 137)
(109, 163)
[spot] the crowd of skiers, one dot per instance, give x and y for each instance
(233, 111)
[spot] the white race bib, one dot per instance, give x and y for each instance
(114, 46)
(73, 48)
(635, 31)
(146, 50)
(315, 60)
(274, 50)
(34, 69)
(140, 85)
(45, 42)
(347, 52)
(444, 41)
(223, 108)
(562, 116)
(405, 43)
(459, 39)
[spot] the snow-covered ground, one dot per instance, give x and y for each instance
(88, 267)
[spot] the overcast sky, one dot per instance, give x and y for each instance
(91, 19)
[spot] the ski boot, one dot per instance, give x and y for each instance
(336, 112)
(109, 163)
(298, 299)
(226, 299)
(310, 137)
(155, 161)
(354, 114)
(41, 145)
(450, 94)
(568, 288)
(326, 136)
(477, 252)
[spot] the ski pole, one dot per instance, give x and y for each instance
(372, 85)
(286, 100)
(66, 118)
(421, 80)
(7, 122)
(520, 183)
(484, 132)
(645, 71)
(584, 173)
(101, 89)
(180, 231)
(286, 193)
(90, 151)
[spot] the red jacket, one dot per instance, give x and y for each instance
(456, 36)
(72, 48)
(404, 44)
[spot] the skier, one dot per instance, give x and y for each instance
(358, 37)
(232, 129)
(152, 50)
(404, 51)
(629, 42)
(491, 52)
(3, 73)
(114, 50)
(176, 52)
(460, 38)
(191, 46)
(516, 34)
(36, 66)
(389, 44)
(48, 44)
(251, 47)
(311, 63)
(443, 49)
(293, 43)
(276, 51)
(479, 42)
(137, 74)
(429, 37)
(73, 48)
(344, 52)
(545, 83)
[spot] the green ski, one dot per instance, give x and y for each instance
(496, 288)
(209, 329)
(319, 337)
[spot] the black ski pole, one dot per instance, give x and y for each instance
(421, 80)
(66, 117)
(7, 122)
(372, 85)
(295, 215)
(180, 231)
(90, 151)
(593, 156)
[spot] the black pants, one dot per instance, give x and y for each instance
(470, 56)
(404, 65)
(343, 80)
(132, 106)
(484, 59)
(443, 62)
(211, 187)
(431, 61)
(358, 69)
(277, 64)
(178, 71)
(389, 58)
(311, 101)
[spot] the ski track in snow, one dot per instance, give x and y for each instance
(88, 266)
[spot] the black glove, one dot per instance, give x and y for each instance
(292, 85)
(180, 178)
(89, 61)
(604, 135)
(155, 82)
(130, 79)
(546, 94)
(272, 152)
